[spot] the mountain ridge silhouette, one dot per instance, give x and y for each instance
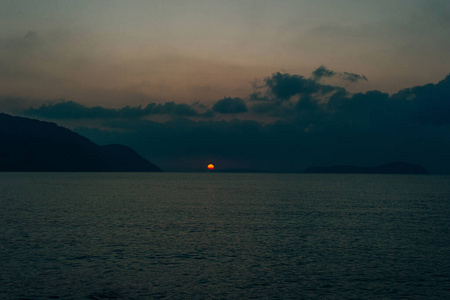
(31, 145)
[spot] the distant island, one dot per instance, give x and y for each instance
(30, 145)
(240, 171)
(390, 168)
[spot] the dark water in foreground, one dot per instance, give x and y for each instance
(191, 235)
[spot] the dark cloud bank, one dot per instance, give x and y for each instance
(289, 123)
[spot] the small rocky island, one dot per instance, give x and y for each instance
(390, 168)
(30, 145)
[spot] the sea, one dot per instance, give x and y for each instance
(224, 236)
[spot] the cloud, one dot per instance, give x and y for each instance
(281, 92)
(307, 104)
(265, 107)
(284, 86)
(429, 104)
(73, 110)
(280, 87)
(352, 77)
(171, 108)
(258, 96)
(230, 106)
(323, 72)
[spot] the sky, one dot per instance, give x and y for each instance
(267, 85)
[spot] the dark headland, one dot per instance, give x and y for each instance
(390, 168)
(37, 146)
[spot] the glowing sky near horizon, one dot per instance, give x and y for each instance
(114, 53)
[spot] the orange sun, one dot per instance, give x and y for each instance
(210, 166)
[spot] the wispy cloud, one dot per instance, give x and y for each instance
(323, 72)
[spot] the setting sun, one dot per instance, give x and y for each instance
(210, 166)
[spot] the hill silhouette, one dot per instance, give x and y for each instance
(33, 145)
(390, 168)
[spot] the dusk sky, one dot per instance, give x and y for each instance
(267, 85)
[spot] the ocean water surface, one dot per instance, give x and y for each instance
(226, 236)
